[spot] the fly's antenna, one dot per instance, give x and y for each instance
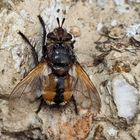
(63, 20)
(58, 21)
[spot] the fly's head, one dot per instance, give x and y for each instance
(59, 34)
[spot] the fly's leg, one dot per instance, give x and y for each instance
(75, 105)
(32, 47)
(72, 43)
(44, 34)
(40, 105)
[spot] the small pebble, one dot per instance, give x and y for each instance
(75, 31)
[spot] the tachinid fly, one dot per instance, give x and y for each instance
(58, 78)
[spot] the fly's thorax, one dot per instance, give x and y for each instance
(60, 58)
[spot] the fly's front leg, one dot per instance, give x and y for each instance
(34, 53)
(44, 34)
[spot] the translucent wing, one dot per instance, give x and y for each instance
(86, 94)
(29, 89)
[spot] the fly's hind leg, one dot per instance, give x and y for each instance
(35, 55)
(75, 105)
(40, 105)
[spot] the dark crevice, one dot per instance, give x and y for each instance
(4, 97)
(30, 134)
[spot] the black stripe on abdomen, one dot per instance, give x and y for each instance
(59, 97)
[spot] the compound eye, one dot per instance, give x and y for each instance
(51, 36)
(67, 37)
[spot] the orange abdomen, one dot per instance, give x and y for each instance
(58, 88)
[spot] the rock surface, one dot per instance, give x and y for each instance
(107, 45)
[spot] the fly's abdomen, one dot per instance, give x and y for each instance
(49, 91)
(58, 89)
